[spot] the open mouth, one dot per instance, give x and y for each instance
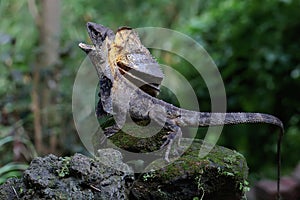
(86, 47)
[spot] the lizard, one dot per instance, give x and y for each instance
(119, 96)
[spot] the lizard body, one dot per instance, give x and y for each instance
(121, 97)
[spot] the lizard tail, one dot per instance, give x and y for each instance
(216, 119)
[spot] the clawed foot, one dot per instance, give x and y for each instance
(110, 131)
(169, 142)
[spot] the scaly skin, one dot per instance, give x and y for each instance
(121, 97)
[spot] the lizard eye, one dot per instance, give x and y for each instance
(96, 33)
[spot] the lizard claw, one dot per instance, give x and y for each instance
(173, 135)
(169, 139)
(110, 131)
(168, 143)
(167, 158)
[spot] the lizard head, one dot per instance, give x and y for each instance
(101, 37)
(98, 33)
(97, 52)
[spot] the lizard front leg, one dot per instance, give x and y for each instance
(160, 116)
(174, 133)
(119, 118)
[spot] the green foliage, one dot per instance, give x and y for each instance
(244, 186)
(11, 170)
(255, 47)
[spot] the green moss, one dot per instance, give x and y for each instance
(220, 164)
(162, 194)
(139, 140)
(64, 168)
(226, 162)
(149, 175)
(244, 186)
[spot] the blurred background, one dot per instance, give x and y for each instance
(255, 44)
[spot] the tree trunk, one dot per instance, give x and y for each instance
(48, 22)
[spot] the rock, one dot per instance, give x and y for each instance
(11, 188)
(76, 177)
(219, 175)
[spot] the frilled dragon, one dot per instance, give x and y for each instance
(129, 83)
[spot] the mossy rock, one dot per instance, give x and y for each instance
(76, 177)
(134, 137)
(219, 175)
(222, 174)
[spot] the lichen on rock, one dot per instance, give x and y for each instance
(76, 177)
